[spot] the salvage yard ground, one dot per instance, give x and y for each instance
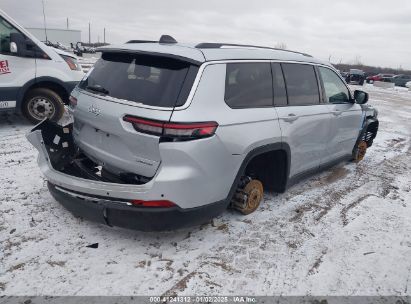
(346, 231)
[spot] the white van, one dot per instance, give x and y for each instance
(35, 80)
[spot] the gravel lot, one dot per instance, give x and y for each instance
(346, 231)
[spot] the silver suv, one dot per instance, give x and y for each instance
(167, 135)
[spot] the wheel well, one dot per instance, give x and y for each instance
(57, 88)
(271, 168)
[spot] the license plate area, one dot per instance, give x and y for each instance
(7, 104)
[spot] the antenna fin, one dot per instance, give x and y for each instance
(167, 39)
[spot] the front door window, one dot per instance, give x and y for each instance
(5, 30)
(334, 87)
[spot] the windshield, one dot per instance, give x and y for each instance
(145, 79)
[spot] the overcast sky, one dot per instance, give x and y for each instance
(376, 32)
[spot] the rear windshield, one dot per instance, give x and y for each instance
(149, 80)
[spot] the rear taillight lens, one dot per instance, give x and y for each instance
(155, 204)
(73, 101)
(185, 131)
(145, 126)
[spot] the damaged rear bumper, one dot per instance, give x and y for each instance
(107, 202)
(122, 214)
(81, 185)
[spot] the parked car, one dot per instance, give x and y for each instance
(35, 79)
(58, 45)
(401, 80)
(79, 49)
(343, 74)
(168, 135)
(355, 76)
(379, 77)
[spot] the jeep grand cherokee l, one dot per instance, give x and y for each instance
(168, 135)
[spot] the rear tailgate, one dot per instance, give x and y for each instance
(121, 84)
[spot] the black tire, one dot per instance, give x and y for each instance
(41, 103)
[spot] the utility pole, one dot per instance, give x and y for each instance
(89, 32)
(104, 35)
(44, 19)
(67, 23)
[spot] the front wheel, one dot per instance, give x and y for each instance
(359, 151)
(42, 103)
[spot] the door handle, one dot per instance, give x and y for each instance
(290, 118)
(337, 113)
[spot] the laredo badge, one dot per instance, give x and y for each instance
(4, 67)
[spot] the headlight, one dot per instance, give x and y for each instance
(72, 63)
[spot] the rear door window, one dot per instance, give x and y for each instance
(144, 79)
(301, 83)
(248, 85)
(280, 93)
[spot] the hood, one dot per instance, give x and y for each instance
(61, 52)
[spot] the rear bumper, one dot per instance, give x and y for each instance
(109, 202)
(7, 110)
(119, 213)
(181, 178)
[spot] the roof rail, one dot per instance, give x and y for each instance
(210, 45)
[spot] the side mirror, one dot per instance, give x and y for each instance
(18, 42)
(13, 48)
(21, 46)
(360, 97)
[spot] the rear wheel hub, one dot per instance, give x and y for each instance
(247, 199)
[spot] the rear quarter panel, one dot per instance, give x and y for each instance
(239, 132)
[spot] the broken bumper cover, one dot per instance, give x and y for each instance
(121, 214)
(110, 203)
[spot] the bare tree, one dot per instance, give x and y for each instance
(357, 60)
(280, 45)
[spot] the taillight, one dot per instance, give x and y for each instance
(177, 130)
(157, 204)
(145, 126)
(73, 101)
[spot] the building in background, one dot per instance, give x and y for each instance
(64, 36)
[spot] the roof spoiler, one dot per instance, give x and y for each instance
(164, 39)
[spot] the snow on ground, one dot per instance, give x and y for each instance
(87, 61)
(346, 231)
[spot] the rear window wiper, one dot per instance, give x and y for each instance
(97, 88)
